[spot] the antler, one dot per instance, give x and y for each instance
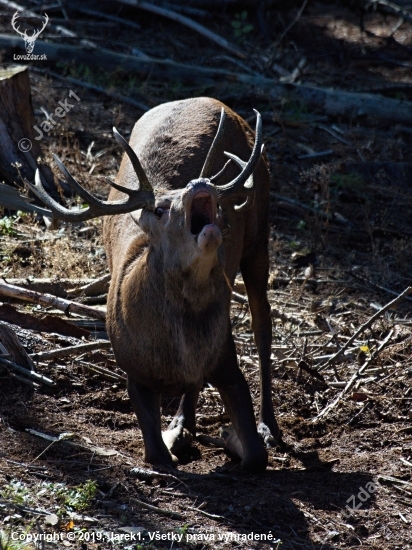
(137, 198)
(17, 29)
(243, 183)
(37, 33)
(214, 148)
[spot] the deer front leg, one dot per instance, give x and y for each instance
(255, 275)
(146, 405)
(232, 386)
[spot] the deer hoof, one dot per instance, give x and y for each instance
(252, 462)
(266, 435)
(177, 439)
(232, 441)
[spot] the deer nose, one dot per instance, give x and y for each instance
(209, 238)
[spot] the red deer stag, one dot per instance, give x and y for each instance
(174, 247)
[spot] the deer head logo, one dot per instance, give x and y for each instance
(29, 41)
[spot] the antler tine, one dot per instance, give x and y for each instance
(143, 179)
(248, 186)
(214, 148)
(126, 190)
(56, 210)
(241, 183)
(221, 172)
(77, 188)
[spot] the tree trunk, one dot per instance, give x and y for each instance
(11, 349)
(18, 146)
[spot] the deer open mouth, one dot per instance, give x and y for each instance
(202, 212)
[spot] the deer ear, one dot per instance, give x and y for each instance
(137, 217)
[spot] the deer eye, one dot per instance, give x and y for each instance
(158, 213)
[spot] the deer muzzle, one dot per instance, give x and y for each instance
(200, 214)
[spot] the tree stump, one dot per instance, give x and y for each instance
(11, 349)
(17, 135)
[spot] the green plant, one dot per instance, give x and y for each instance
(7, 543)
(17, 492)
(240, 25)
(79, 498)
(6, 225)
(294, 112)
(350, 182)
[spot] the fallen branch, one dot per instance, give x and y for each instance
(366, 325)
(324, 413)
(92, 288)
(183, 20)
(161, 511)
(144, 474)
(45, 323)
(207, 514)
(26, 373)
(65, 437)
(67, 306)
(332, 102)
(71, 350)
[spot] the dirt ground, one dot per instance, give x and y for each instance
(342, 480)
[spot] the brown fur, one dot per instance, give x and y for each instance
(168, 310)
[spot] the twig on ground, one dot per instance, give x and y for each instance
(161, 511)
(64, 438)
(24, 508)
(71, 350)
(353, 380)
(375, 285)
(366, 325)
(207, 514)
(332, 133)
(143, 473)
(24, 380)
(316, 155)
(222, 42)
(67, 306)
(105, 373)
(236, 297)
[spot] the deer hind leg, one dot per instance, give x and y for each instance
(146, 405)
(255, 272)
(234, 391)
(186, 413)
(182, 428)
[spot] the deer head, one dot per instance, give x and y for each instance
(29, 41)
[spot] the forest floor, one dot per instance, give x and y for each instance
(344, 476)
